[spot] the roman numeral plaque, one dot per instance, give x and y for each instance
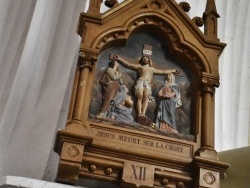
(137, 174)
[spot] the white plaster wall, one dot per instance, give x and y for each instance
(233, 102)
(39, 48)
(38, 54)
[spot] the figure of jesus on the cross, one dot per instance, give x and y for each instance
(145, 71)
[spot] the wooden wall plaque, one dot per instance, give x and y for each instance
(142, 104)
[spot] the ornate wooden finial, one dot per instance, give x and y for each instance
(210, 6)
(94, 6)
(198, 21)
(185, 6)
(110, 3)
(210, 20)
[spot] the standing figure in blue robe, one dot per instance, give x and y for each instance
(168, 97)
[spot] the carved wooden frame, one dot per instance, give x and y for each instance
(188, 164)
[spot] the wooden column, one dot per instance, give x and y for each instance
(208, 167)
(77, 110)
(86, 62)
(208, 84)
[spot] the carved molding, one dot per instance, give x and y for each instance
(132, 173)
(156, 4)
(63, 137)
(118, 34)
(209, 178)
(168, 8)
(72, 151)
(68, 172)
(108, 36)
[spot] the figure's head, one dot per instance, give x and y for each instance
(167, 90)
(145, 60)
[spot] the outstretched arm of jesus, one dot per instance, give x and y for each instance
(125, 63)
(174, 71)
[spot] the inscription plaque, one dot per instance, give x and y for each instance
(133, 140)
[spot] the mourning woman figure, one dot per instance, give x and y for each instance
(121, 106)
(168, 96)
(110, 82)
